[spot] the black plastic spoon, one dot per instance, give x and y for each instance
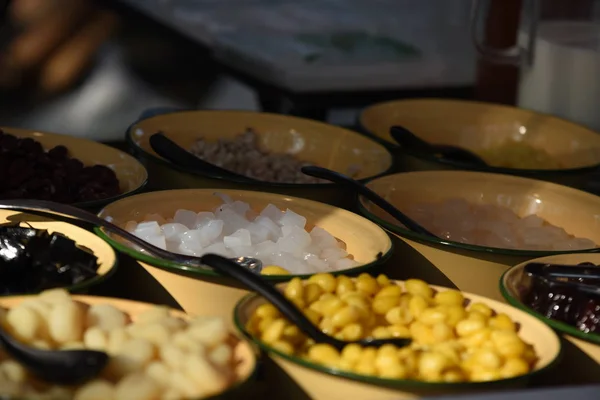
(171, 151)
(336, 177)
(65, 367)
(407, 139)
(286, 307)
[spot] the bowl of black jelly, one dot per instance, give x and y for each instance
(567, 301)
(37, 254)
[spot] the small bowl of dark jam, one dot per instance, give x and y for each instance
(38, 254)
(549, 289)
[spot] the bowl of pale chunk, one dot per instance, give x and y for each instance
(291, 236)
(485, 222)
(509, 139)
(154, 352)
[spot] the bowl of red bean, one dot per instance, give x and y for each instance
(65, 169)
(270, 149)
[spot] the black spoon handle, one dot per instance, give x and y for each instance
(406, 138)
(563, 271)
(171, 151)
(269, 292)
(336, 177)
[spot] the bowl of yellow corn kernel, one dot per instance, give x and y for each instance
(460, 342)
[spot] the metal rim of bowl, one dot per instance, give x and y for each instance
(143, 153)
(491, 169)
(563, 327)
(207, 272)
(385, 382)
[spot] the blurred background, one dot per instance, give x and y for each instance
(89, 68)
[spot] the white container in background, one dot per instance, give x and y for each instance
(563, 77)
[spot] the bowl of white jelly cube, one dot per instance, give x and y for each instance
(291, 236)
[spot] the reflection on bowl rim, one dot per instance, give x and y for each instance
(487, 168)
(90, 203)
(373, 380)
(515, 301)
(458, 245)
(155, 158)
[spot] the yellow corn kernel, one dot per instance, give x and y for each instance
(389, 291)
(327, 282)
(482, 308)
(453, 375)
(409, 358)
(392, 370)
(398, 315)
(418, 287)
(367, 284)
(283, 346)
(359, 302)
(294, 289)
(327, 296)
(327, 326)
(449, 297)
(324, 354)
(421, 333)
(344, 285)
(331, 306)
(432, 316)
(502, 322)
(514, 367)
(312, 315)
(274, 270)
(431, 366)
(468, 327)
(486, 359)
(292, 334)
(455, 315)
(478, 338)
(352, 352)
(484, 375)
(529, 355)
(381, 305)
(416, 305)
(312, 292)
(442, 332)
(383, 280)
(264, 324)
(381, 332)
(299, 303)
(274, 331)
(477, 315)
(399, 331)
(352, 332)
(368, 354)
(267, 310)
(508, 343)
(345, 316)
(450, 350)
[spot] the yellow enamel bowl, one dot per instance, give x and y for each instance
(131, 173)
(107, 259)
(201, 291)
(477, 126)
(477, 269)
(511, 288)
(314, 142)
(323, 383)
(244, 352)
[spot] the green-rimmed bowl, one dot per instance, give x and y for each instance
(510, 287)
(321, 382)
(107, 259)
(477, 269)
(480, 126)
(312, 141)
(244, 352)
(202, 290)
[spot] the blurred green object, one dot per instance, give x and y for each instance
(349, 42)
